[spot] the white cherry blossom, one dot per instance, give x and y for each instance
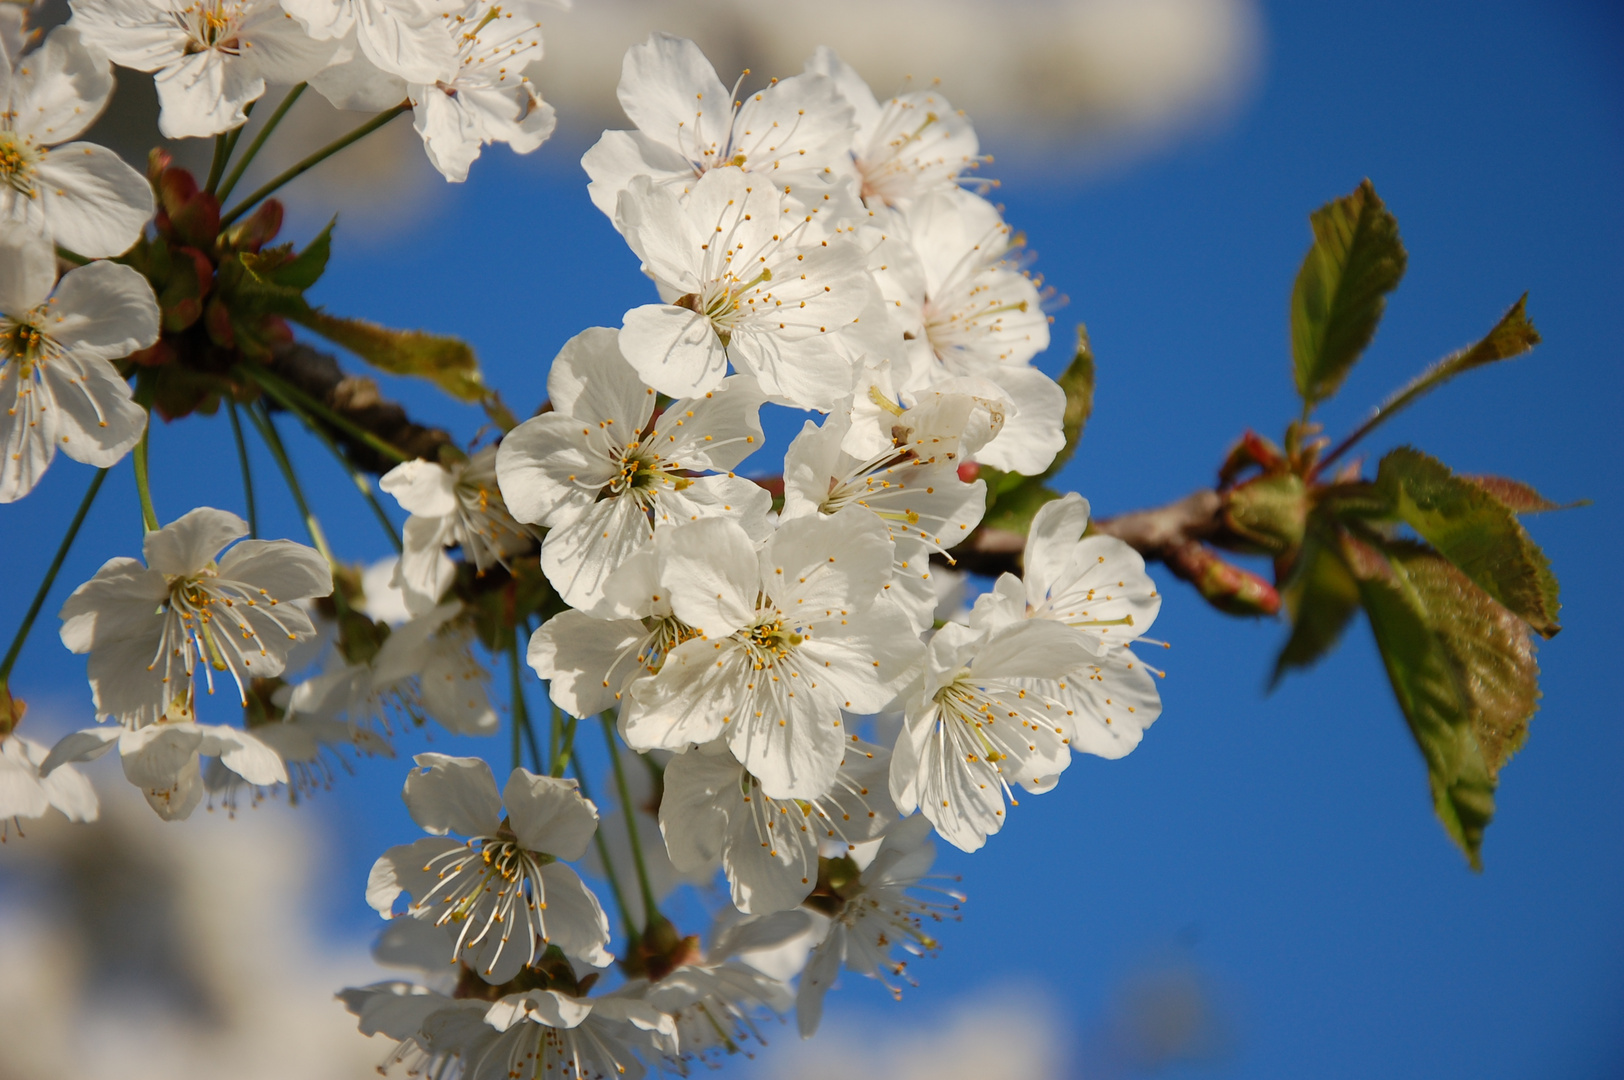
(165, 759)
(749, 276)
(688, 125)
(546, 1033)
(452, 504)
(503, 894)
(980, 317)
(713, 808)
(209, 58)
(403, 38)
(150, 630)
(489, 99)
(871, 913)
(79, 195)
(1097, 587)
(601, 471)
(905, 472)
(425, 668)
(58, 387)
(793, 634)
(913, 144)
(25, 793)
(983, 717)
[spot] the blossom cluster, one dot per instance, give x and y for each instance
(787, 656)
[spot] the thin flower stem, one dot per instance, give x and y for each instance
(535, 751)
(566, 752)
(555, 734)
(259, 141)
(217, 165)
(271, 185)
(273, 442)
(293, 399)
(235, 134)
(50, 578)
(521, 710)
(650, 909)
(247, 473)
(149, 515)
(362, 482)
(632, 935)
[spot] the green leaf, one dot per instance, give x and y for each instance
(1518, 497)
(1427, 682)
(1078, 383)
(1341, 290)
(1475, 531)
(279, 266)
(1492, 649)
(1322, 597)
(1016, 508)
(446, 361)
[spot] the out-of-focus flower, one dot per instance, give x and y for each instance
(452, 504)
(58, 389)
(24, 793)
(871, 912)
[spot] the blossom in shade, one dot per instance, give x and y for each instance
(209, 58)
(793, 634)
(401, 38)
(503, 895)
(24, 793)
(751, 276)
(873, 912)
(452, 504)
(912, 144)
(58, 387)
(165, 759)
(687, 125)
(152, 629)
(1097, 587)
(713, 808)
(983, 718)
(76, 194)
(602, 471)
(489, 99)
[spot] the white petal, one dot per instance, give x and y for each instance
(189, 543)
(421, 487)
(85, 745)
(671, 92)
(580, 555)
(243, 754)
(710, 568)
(401, 870)
(92, 202)
(453, 794)
(27, 272)
(60, 91)
(205, 94)
(548, 814)
(586, 661)
(692, 821)
(551, 467)
(1031, 437)
(674, 350)
(574, 919)
(1053, 536)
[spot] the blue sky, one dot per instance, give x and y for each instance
(1282, 846)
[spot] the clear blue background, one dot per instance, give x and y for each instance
(1281, 846)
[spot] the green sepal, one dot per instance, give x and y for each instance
(446, 361)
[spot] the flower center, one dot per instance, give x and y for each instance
(23, 342)
(19, 162)
(770, 642)
(718, 302)
(212, 26)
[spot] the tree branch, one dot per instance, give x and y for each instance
(356, 399)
